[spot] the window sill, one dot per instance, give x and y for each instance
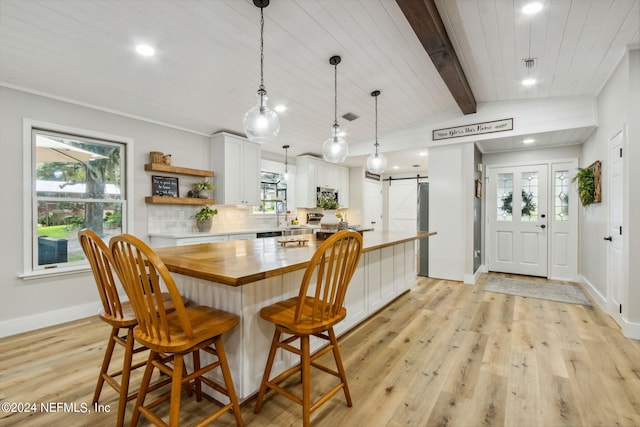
(53, 272)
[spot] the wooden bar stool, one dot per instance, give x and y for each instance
(171, 336)
(117, 314)
(314, 311)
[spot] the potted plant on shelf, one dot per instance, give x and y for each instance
(329, 204)
(204, 218)
(201, 189)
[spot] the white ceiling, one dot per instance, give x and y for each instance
(206, 70)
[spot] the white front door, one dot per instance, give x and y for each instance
(616, 287)
(517, 220)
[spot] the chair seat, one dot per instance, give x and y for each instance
(282, 314)
(207, 323)
(128, 318)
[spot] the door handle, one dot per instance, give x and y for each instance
(541, 226)
(608, 238)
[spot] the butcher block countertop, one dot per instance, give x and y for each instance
(240, 262)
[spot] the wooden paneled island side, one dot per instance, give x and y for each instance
(244, 276)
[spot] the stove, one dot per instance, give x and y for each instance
(313, 218)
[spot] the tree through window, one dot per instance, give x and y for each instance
(78, 184)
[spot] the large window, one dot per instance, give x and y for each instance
(77, 182)
(273, 194)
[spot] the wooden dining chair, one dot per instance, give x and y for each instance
(119, 315)
(172, 336)
(317, 308)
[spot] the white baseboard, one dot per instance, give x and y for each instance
(629, 329)
(50, 318)
(472, 279)
(594, 293)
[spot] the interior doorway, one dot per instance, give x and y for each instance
(616, 288)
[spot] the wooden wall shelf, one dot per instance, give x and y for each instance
(159, 167)
(160, 200)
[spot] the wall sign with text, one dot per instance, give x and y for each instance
(473, 129)
(164, 186)
(371, 175)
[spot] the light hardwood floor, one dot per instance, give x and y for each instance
(444, 353)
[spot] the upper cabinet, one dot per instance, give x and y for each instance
(366, 200)
(236, 161)
(312, 172)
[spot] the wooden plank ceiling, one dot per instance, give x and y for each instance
(206, 71)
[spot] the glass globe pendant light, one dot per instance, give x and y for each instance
(376, 162)
(335, 148)
(261, 123)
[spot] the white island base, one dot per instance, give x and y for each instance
(382, 275)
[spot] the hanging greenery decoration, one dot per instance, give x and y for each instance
(588, 180)
(528, 206)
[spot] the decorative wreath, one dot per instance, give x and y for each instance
(528, 206)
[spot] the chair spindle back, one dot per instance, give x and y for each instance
(333, 264)
(99, 258)
(140, 271)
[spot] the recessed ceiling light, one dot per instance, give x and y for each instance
(145, 50)
(529, 82)
(280, 108)
(396, 167)
(529, 141)
(531, 8)
(422, 154)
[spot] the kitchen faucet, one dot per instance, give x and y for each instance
(281, 203)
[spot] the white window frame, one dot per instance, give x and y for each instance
(30, 210)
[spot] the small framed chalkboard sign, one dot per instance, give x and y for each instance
(165, 186)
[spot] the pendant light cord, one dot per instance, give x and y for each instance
(286, 148)
(261, 89)
(376, 144)
(335, 99)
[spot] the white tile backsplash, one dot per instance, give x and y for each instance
(174, 219)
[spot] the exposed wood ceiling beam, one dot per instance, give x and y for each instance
(424, 18)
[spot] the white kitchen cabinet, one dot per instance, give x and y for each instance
(236, 163)
(365, 197)
(312, 172)
(306, 187)
(243, 236)
(343, 186)
(162, 241)
(326, 175)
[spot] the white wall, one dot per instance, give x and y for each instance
(450, 173)
(618, 109)
(29, 304)
(523, 156)
(632, 178)
(612, 111)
